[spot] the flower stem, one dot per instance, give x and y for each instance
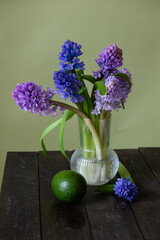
(103, 115)
(88, 123)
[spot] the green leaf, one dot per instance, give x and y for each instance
(100, 85)
(67, 115)
(122, 103)
(87, 104)
(105, 188)
(89, 78)
(79, 73)
(123, 172)
(86, 107)
(48, 130)
(125, 77)
(82, 90)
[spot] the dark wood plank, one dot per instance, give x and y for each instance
(19, 199)
(110, 217)
(152, 157)
(147, 208)
(59, 220)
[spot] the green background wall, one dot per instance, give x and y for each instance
(31, 35)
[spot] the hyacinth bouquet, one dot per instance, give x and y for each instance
(110, 89)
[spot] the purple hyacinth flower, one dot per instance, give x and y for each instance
(29, 96)
(109, 60)
(126, 89)
(113, 88)
(125, 189)
(97, 74)
(67, 85)
(111, 100)
(124, 70)
(103, 102)
(69, 56)
(117, 89)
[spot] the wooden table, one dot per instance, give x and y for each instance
(30, 211)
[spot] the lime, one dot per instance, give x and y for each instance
(69, 186)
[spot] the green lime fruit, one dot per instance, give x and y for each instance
(69, 186)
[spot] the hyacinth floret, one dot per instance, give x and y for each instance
(109, 60)
(126, 89)
(29, 96)
(97, 74)
(117, 89)
(69, 56)
(111, 99)
(67, 85)
(103, 102)
(125, 189)
(113, 88)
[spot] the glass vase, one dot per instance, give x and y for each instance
(96, 171)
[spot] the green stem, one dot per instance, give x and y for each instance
(101, 127)
(103, 115)
(87, 103)
(92, 94)
(88, 123)
(87, 140)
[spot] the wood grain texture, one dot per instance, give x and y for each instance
(59, 220)
(19, 199)
(152, 157)
(30, 211)
(110, 217)
(147, 207)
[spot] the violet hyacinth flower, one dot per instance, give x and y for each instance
(111, 100)
(126, 89)
(117, 89)
(29, 96)
(69, 56)
(67, 85)
(109, 60)
(102, 102)
(125, 189)
(113, 88)
(97, 74)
